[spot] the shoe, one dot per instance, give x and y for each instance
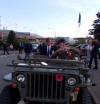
(89, 67)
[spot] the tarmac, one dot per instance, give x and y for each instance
(95, 90)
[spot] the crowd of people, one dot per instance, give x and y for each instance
(27, 47)
(61, 49)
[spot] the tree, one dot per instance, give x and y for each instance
(11, 37)
(24, 39)
(1, 42)
(96, 27)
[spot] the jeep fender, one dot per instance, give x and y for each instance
(8, 77)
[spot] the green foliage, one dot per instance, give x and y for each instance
(24, 39)
(1, 42)
(16, 44)
(58, 38)
(12, 39)
(96, 27)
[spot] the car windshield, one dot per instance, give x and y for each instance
(35, 45)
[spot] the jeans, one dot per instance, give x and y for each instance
(27, 55)
(93, 56)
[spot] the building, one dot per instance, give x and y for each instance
(20, 35)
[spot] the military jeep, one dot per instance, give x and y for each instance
(42, 80)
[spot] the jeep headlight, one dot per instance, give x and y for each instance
(20, 78)
(71, 81)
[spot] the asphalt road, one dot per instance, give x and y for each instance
(4, 69)
(95, 90)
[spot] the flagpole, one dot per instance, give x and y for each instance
(77, 31)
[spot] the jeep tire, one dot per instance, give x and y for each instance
(9, 95)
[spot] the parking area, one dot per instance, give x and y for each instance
(95, 90)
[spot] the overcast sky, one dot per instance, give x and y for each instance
(49, 17)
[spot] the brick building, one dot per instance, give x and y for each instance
(20, 35)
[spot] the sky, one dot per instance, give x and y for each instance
(49, 18)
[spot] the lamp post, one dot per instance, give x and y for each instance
(54, 32)
(0, 29)
(0, 22)
(15, 26)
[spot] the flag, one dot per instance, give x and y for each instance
(79, 20)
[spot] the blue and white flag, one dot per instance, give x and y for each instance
(79, 20)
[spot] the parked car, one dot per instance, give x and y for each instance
(35, 47)
(81, 46)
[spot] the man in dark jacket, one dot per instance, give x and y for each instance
(27, 49)
(99, 48)
(21, 46)
(93, 55)
(5, 48)
(48, 49)
(41, 48)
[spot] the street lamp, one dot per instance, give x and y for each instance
(0, 22)
(54, 32)
(0, 29)
(15, 26)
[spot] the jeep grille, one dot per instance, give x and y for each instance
(43, 86)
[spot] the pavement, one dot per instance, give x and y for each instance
(10, 52)
(4, 69)
(95, 90)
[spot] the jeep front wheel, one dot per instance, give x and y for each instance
(9, 95)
